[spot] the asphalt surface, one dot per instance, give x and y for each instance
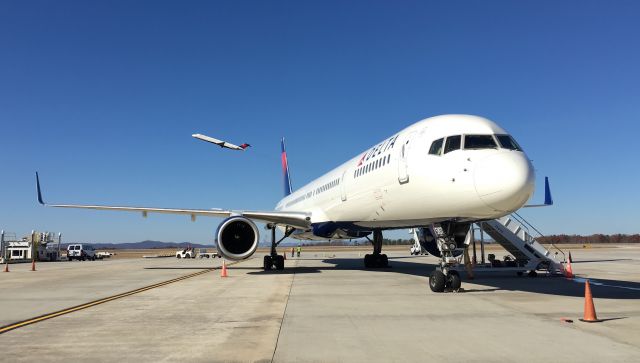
(325, 307)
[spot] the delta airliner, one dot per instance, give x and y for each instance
(440, 174)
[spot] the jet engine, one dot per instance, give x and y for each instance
(237, 238)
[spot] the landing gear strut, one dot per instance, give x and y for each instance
(273, 259)
(377, 259)
(444, 277)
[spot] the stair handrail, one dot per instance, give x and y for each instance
(521, 220)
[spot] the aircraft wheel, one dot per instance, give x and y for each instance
(267, 262)
(279, 262)
(532, 274)
(437, 281)
(384, 261)
(367, 261)
(453, 280)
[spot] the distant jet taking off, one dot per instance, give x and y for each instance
(220, 142)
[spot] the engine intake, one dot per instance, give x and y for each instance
(237, 238)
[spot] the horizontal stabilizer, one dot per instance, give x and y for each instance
(548, 200)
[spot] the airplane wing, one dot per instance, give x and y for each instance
(300, 220)
(220, 143)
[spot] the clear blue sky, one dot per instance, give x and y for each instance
(102, 96)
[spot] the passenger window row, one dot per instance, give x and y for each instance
(473, 142)
(365, 169)
(327, 186)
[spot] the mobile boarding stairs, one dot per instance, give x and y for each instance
(514, 234)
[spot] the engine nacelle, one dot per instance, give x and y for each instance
(237, 238)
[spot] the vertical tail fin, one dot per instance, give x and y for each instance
(285, 170)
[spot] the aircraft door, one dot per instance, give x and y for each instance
(403, 160)
(343, 186)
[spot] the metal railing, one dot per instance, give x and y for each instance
(520, 219)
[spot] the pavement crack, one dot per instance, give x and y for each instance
(284, 313)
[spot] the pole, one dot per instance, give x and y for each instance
(482, 242)
(59, 241)
(33, 245)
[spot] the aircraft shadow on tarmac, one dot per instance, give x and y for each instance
(178, 268)
(601, 288)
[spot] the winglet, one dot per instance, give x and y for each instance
(39, 192)
(548, 200)
(244, 146)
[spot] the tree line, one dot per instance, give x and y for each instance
(594, 238)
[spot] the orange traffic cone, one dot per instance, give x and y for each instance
(223, 273)
(33, 265)
(6, 267)
(568, 271)
(589, 309)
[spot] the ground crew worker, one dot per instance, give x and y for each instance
(299, 249)
(291, 251)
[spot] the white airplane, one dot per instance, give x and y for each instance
(439, 175)
(220, 143)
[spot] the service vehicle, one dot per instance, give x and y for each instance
(204, 254)
(81, 251)
(186, 253)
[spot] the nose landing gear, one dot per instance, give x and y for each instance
(439, 282)
(444, 277)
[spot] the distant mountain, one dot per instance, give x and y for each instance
(145, 245)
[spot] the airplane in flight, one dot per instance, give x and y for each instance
(221, 143)
(438, 175)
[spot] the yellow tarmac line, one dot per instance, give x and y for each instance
(40, 318)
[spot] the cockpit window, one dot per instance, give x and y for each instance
(436, 147)
(479, 142)
(452, 144)
(507, 142)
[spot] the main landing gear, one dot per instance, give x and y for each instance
(377, 259)
(445, 277)
(273, 259)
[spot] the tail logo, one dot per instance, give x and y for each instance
(285, 170)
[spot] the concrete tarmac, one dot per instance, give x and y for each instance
(325, 307)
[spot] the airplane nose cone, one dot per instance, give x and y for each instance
(505, 181)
